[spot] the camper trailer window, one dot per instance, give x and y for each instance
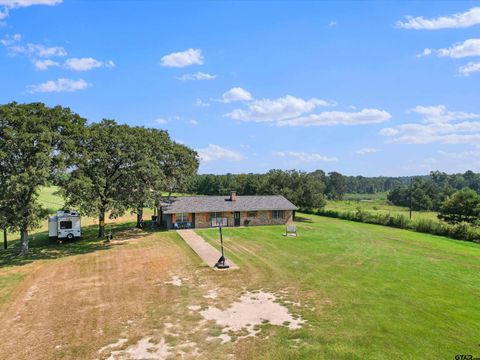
(65, 225)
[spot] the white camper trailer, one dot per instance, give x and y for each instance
(64, 225)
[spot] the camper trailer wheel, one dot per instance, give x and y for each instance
(70, 237)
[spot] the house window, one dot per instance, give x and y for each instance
(216, 219)
(252, 214)
(182, 217)
(277, 214)
(215, 216)
(64, 225)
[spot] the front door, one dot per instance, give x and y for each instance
(236, 218)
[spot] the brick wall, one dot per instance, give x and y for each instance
(202, 220)
(265, 218)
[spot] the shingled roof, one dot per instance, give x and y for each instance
(198, 204)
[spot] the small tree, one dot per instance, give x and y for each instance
(462, 206)
(35, 141)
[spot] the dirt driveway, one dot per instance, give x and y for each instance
(73, 306)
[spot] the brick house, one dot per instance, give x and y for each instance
(233, 210)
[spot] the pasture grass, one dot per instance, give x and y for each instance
(368, 292)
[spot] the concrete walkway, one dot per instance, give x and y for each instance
(207, 252)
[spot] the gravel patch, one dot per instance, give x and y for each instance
(250, 311)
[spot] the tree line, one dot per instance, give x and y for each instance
(333, 185)
(455, 197)
(308, 190)
(102, 168)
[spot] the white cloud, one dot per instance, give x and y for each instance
(236, 94)
(363, 117)
(439, 125)
(332, 23)
(10, 40)
(215, 152)
(458, 20)
(44, 64)
(389, 132)
(183, 58)
(470, 68)
(292, 111)
(161, 121)
(470, 47)
(304, 157)
(365, 151)
(13, 4)
(201, 103)
(197, 76)
(59, 85)
(475, 154)
(37, 50)
(85, 64)
(194, 122)
(440, 114)
(25, 3)
(425, 52)
(267, 110)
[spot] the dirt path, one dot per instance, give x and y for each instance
(204, 250)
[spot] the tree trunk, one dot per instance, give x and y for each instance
(24, 242)
(139, 217)
(101, 224)
(5, 245)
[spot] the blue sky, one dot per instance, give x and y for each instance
(364, 88)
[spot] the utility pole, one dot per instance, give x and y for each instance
(410, 198)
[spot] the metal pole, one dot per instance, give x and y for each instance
(221, 240)
(410, 198)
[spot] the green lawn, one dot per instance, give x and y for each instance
(49, 198)
(368, 292)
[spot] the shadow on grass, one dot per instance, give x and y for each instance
(302, 219)
(43, 248)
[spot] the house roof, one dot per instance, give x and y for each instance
(189, 204)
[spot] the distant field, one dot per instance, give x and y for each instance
(376, 203)
(381, 196)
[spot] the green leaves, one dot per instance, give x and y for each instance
(462, 206)
(121, 167)
(35, 141)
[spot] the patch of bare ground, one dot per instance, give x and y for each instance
(251, 310)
